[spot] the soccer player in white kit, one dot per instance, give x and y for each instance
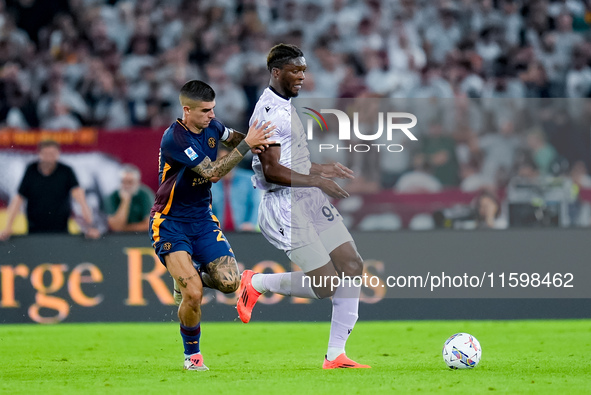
(296, 216)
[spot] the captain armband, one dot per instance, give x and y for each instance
(227, 133)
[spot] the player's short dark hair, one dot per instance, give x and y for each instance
(198, 91)
(282, 54)
(48, 143)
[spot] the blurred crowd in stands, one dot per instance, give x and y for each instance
(120, 63)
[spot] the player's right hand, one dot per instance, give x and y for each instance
(258, 134)
(332, 189)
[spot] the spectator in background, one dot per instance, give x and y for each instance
(578, 210)
(128, 208)
(472, 178)
(404, 51)
(47, 186)
(431, 84)
(578, 77)
(442, 36)
(419, 180)
(138, 58)
(579, 175)
(543, 153)
(440, 153)
(511, 21)
(525, 170)
(499, 150)
(566, 38)
(554, 61)
(16, 106)
(61, 118)
(231, 100)
(536, 80)
(331, 71)
(488, 47)
(60, 91)
(488, 212)
(234, 201)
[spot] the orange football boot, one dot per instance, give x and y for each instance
(248, 296)
(342, 362)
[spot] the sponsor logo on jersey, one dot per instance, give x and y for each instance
(191, 153)
(199, 181)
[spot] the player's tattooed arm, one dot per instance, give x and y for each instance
(223, 274)
(258, 134)
(208, 169)
(234, 139)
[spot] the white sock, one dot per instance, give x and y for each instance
(345, 306)
(288, 284)
(257, 282)
(334, 352)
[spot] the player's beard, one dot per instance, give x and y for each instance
(292, 92)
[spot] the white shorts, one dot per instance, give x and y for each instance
(293, 218)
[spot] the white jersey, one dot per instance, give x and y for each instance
(291, 218)
(289, 132)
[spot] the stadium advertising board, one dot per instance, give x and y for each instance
(53, 279)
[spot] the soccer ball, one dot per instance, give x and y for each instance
(462, 351)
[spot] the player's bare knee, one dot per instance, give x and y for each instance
(193, 297)
(353, 266)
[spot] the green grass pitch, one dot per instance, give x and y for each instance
(286, 358)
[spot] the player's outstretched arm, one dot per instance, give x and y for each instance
(332, 170)
(235, 138)
(258, 135)
(278, 174)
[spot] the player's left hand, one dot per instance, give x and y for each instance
(336, 170)
(259, 133)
